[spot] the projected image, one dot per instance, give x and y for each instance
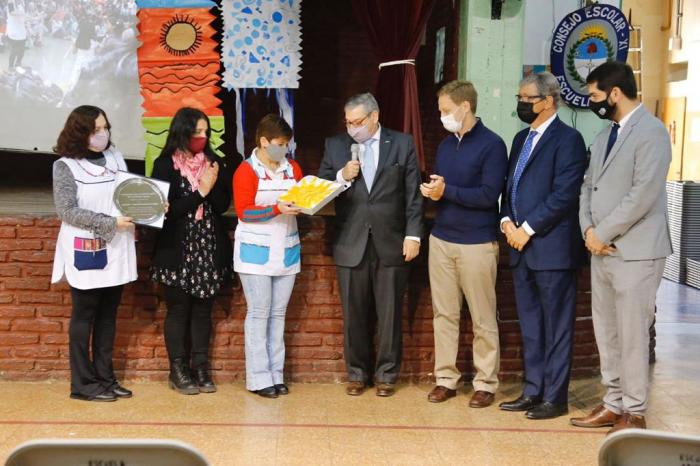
(49, 47)
(58, 54)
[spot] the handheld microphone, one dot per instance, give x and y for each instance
(355, 151)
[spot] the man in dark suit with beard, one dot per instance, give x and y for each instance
(378, 226)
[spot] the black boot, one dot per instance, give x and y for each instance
(203, 379)
(180, 379)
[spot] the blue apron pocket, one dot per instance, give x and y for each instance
(292, 255)
(254, 254)
(89, 254)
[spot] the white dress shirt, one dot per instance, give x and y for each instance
(540, 131)
(374, 145)
(626, 119)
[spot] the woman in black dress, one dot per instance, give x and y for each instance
(192, 257)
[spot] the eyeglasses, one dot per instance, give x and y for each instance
(357, 123)
(528, 98)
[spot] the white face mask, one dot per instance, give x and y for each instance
(276, 153)
(360, 134)
(452, 124)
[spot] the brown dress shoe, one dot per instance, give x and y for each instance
(355, 388)
(629, 421)
(440, 394)
(481, 399)
(599, 417)
(385, 389)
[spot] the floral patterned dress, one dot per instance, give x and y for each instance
(198, 274)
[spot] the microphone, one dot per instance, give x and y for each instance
(355, 151)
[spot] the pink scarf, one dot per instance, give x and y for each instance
(191, 168)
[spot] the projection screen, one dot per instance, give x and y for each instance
(58, 54)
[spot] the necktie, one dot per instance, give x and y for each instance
(369, 168)
(611, 140)
(519, 168)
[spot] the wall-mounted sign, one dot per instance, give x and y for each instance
(583, 40)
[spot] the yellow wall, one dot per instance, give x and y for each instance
(650, 15)
(671, 76)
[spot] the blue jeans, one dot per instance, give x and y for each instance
(267, 298)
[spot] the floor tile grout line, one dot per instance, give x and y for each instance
(303, 426)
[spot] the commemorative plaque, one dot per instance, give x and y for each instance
(142, 199)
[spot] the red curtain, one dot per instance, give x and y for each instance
(395, 29)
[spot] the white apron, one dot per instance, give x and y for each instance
(86, 260)
(268, 248)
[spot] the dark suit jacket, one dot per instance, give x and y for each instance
(547, 198)
(170, 240)
(392, 211)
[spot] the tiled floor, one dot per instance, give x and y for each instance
(319, 424)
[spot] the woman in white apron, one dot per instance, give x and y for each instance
(267, 252)
(94, 251)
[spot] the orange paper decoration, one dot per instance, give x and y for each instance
(178, 61)
(166, 102)
(176, 35)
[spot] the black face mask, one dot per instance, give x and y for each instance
(525, 112)
(603, 109)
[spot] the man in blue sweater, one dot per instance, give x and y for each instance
(470, 174)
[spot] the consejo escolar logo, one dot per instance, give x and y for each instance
(583, 40)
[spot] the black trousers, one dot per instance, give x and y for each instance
(94, 313)
(16, 51)
(368, 290)
(185, 312)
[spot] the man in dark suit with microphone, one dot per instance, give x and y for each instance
(539, 211)
(378, 225)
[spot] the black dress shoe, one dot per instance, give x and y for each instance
(282, 389)
(547, 410)
(122, 392)
(107, 395)
(204, 381)
(522, 403)
(267, 392)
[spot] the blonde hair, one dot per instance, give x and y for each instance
(460, 91)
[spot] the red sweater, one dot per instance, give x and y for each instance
(245, 188)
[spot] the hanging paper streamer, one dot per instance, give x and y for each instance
(178, 67)
(261, 45)
(240, 121)
(286, 105)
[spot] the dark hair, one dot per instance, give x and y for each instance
(183, 126)
(74, 139)
(614, 74)
(272, 127)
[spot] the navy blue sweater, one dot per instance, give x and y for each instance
(475, 170)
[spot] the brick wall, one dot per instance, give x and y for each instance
(34, 316)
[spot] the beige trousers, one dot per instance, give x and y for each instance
(469, 270)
